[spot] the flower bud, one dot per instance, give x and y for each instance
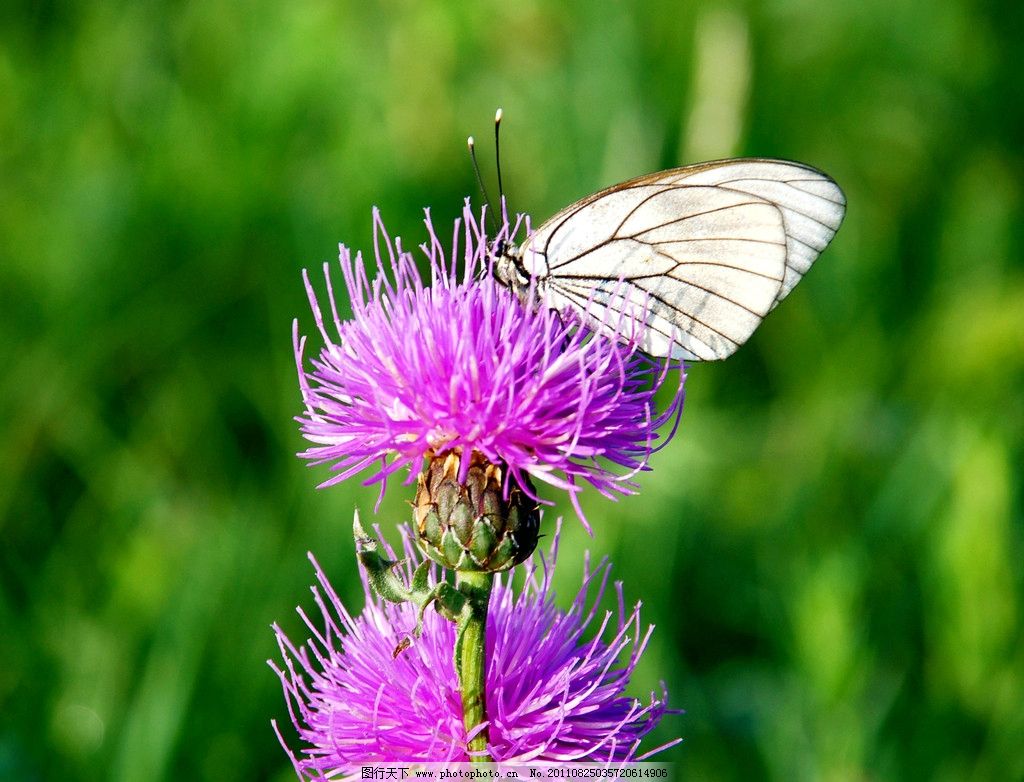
(471, 526)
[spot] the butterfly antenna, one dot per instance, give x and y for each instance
(480, 182)
(497, 157)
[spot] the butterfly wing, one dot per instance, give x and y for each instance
(693, 257)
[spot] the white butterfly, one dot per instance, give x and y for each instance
(693, 257)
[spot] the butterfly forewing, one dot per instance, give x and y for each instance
(812, 205)
(692, 258)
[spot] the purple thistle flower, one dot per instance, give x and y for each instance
(463, 365)
(552, 695)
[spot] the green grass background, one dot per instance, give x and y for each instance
(831, 548)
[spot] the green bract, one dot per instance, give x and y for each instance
(473, 526)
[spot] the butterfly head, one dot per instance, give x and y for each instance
(509, 269)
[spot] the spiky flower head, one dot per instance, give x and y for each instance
(464, 366)
(555, 683)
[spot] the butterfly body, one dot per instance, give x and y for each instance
(693, 258)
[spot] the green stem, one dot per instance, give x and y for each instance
(470, 655)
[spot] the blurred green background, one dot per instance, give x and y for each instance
(831, 548)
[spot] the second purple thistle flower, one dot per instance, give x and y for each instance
(464, 373)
